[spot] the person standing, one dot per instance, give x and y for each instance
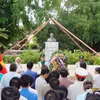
(8, 76)
(63, 78)
(88, 89)
(81, 59)
(96, 79)
(42, 62)
(25, 83)
(31, 73)
(41, 82)
(19, 66)
(77, 88)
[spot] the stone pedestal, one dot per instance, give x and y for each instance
(50, 48)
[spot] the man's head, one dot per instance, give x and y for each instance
(81, 58)
(25, 81)
(30, 65)
(54, 74)
(15, 82)
(10, 93)
(93, 96)
(31, 80)
(18, 60)
(62, 90)
(83, 64)
(64, 72)
(54, 82)
(52, 95)
(81, 74)
(42, 56)
(13, 67)
(97, 70)
(87, 85)
(51, 35)
(45, 71)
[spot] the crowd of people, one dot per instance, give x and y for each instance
(18, 84)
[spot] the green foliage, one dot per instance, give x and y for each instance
(3, 35)
(34, 56)
(9, 59)
(30, 56)
(88, 57)
(82, 18)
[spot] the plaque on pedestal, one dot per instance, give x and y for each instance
(50, 48)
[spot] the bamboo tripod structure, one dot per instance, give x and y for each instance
(67, 32)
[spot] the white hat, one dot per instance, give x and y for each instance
(81, 72)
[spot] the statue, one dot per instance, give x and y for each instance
(51, 39)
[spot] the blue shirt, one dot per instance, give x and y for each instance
(32, 74)
(28, 94)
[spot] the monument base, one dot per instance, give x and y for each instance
(50, 48)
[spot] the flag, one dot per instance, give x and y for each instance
(3, 69)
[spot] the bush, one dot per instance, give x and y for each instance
(9, 59)
(34, 56)
(30, 56)
(89, 57)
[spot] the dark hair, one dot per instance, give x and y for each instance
(24, 80)
(54, 82)
(29, 65)
(42, 56)
(83, 64)
(93, 96)
(15, 81)
(10, 93)
(64, 72)
(81, 57)
(52, 95)
(54, 74)
(1, 67)
(87, 85)
(44, 70)
(97, 69)
(62, 90)
(13, 67)
(31, 80)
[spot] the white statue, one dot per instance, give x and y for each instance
(51, 39)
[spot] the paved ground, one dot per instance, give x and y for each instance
(70, 68)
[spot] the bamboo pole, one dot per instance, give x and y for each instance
(71, 39)
(34, 34)
(76, 37)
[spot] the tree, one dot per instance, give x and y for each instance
(3, 35)
(83, 19)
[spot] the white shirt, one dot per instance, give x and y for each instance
(82, 96)
(33, 90)
(74, 90)
(22, 98)
(19, 68)
(40, 82)
(77, 65)
(7, 77)
(96, 81)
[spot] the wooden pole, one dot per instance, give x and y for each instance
(71, 39)
(76, 37)
(22, 40)
(34, 33)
